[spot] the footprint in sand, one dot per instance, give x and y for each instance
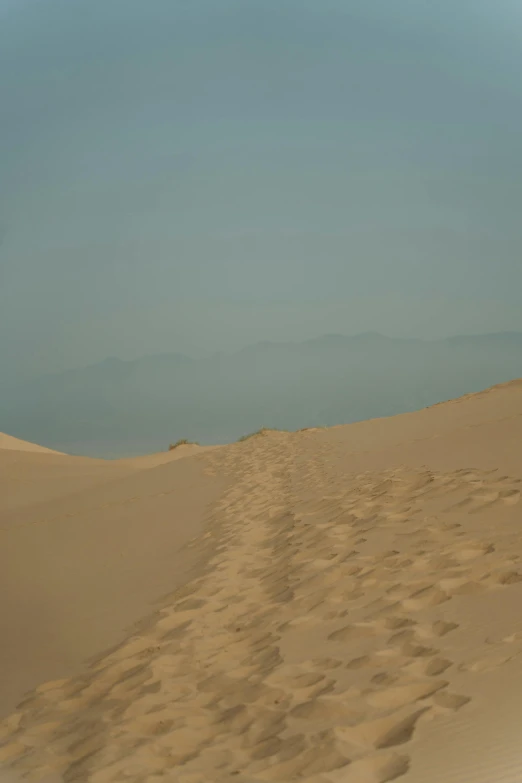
(509, 496)
(401, 695)
(429, 668)
(435, 630)
(486, 664)
(450, 701)
(431, 595)
(379, 768)
(352, 632)
(505, 576)
(326, 708)
(394, 729)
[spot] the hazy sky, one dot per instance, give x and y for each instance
(199, 174)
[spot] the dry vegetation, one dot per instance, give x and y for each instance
(182, 442)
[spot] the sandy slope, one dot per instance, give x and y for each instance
(85, 547)
(32, 476)
(353, 614)
(15, 444)
(161, 457)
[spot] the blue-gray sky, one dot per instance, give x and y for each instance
(199, 174)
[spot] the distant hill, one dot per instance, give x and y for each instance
(120, 407)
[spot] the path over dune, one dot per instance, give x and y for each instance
(354, 613)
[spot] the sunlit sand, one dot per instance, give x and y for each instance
(329, 606)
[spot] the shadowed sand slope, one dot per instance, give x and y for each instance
(28, 477)
(77, 566)
(353, 615)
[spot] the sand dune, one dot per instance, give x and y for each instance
(161, 457)
(15, 444)
(331, 606)
(34, 475)
(79, 565)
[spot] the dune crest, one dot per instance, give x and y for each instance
(15, 444)
(354, 594)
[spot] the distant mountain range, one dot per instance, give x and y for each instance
(120, 407)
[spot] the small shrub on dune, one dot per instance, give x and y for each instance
(262, 431)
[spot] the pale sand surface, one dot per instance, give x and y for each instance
(15, 444)
(152, 460)
(78, 567)
(27, 478)
(352, 614)
(30, 476)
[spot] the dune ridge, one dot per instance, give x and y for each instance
(15, 444)
(354, 594)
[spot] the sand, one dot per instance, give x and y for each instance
(15, 444)
(329, 606)
(86, 547)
